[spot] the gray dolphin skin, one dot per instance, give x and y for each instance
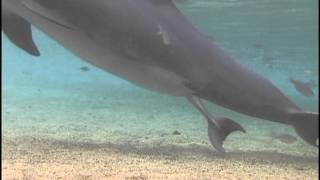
(151, 44)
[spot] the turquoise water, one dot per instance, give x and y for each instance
(52, 98)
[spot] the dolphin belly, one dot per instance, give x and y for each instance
(145, 75)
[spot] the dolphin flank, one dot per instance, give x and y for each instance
(151, 44)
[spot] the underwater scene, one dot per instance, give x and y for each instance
(66, 118)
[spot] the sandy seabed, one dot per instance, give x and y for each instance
(130, 135)
(32, 158)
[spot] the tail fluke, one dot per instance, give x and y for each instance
(220, 129)
(307, 126)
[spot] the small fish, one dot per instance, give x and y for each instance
(304, 88)
(85, 68)
(164, 35)
(284, 138)
(258, 45)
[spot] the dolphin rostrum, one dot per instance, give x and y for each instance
(151, 44)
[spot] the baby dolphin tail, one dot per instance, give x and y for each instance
(218, 127)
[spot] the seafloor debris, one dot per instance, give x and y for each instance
(175, 132)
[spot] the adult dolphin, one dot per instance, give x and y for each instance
(150, 43)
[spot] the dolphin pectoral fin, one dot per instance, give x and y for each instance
(218, 128)
(19, 32)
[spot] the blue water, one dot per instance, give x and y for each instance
(287, 29)
(51, 97)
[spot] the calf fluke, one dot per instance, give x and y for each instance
(218, 127)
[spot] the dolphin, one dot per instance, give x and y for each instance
(153, 45)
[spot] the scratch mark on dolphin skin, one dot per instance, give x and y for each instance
(164, 35)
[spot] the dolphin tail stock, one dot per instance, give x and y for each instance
(218, 127)
(218, 130)
(306, 124)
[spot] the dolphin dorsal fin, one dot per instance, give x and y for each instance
(18, 30)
